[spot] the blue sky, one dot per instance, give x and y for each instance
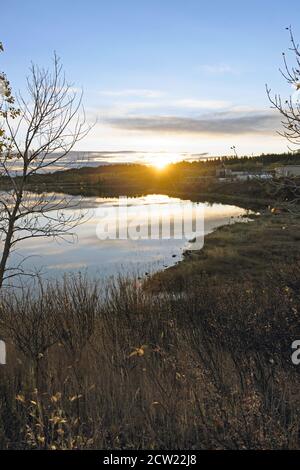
(165, 76)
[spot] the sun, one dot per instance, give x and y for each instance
(161, 162)
(160, 165)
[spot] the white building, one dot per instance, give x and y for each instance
(288, 171)
(226, 174)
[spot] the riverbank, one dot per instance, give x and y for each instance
(194, 179)
(206, 364)
(239, 250)
(250, 194)
(120, 368)
(198, 357)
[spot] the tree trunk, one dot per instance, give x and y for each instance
(8, 239)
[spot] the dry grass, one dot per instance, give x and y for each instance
(237, 251)
(116, 367)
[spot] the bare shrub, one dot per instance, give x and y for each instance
(154, 371)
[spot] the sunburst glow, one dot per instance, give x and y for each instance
(161, 161)
(160, 165)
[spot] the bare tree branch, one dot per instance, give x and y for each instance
(289, 109)
(49, 122)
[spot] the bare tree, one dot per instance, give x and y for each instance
(50, 120)
(289, 109)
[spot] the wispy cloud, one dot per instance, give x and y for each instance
(141, 93)
(217, 69)
(232, 123)
(200, 104)
(107, 157)
(162, 107)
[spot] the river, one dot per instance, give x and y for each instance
(139, 250)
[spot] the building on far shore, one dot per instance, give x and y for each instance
(226, 174)
(288, 171)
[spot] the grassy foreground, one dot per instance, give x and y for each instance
(240, 250)
(205, 367)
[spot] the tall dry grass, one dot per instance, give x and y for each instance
(117, 367)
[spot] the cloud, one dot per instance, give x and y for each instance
(108, 157)
(133, 92)
(122, 108)
(201, 104)
(221, 123)
(217, 69)
(194, 156)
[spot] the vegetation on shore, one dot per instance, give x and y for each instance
(195, 357)
(200, 361)
(239, 250)
(208, 368)
(191, 178)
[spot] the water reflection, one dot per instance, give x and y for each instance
(108, 257)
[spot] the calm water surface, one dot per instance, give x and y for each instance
(103, 258)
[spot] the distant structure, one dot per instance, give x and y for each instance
(288, 171)
(223, 172)
(226, 174)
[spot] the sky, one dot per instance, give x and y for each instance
(165, 80)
